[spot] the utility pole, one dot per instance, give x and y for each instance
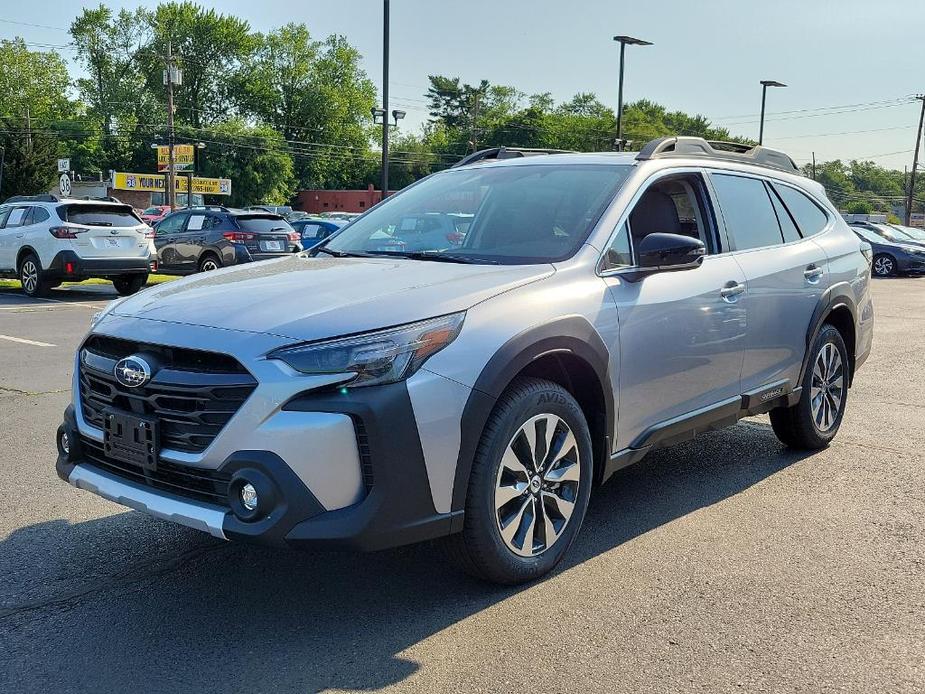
(28, 129)
(473, 128)
(915, 163)
(2, 162)
(171, 193)
(814, 166)
(385, 99)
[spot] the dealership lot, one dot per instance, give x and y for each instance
(725, 564)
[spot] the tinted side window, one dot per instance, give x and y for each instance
(808, 215)
(39, 215)
(791, 233)
(170, 224)
(202, 222)
(750, 218)
(4, 213)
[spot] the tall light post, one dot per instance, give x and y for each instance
(623, 41)
(385, 98)
(380, 116)
(764, 92)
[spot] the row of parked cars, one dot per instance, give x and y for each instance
(46, 240)
(898, 249)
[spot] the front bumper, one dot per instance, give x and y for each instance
(396, 506)
(911, 264)
(82, 268)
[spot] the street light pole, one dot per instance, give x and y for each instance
(915, 163)
(764, 92)
(624, 40)
(385, 98)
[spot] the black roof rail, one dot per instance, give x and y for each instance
(667, 147)
(45, 197)
(494, 153)
(219, 208)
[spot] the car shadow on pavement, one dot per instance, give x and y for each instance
(131, 603)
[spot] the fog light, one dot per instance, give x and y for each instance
(249, 496)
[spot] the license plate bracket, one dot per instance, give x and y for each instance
(131, 438)
(271, 245)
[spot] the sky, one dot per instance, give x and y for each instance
(851, 66)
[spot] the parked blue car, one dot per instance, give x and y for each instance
(314, 230)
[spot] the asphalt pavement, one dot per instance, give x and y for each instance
(726, 564)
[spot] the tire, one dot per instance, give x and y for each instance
(505, 492)
(807, 428)
(30, 276)
(884, 265)
(209, 262)
(129, 284)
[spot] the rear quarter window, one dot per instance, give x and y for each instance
(808, 215)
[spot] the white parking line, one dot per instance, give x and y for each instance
(26, 342)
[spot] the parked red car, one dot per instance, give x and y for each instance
(153, 215)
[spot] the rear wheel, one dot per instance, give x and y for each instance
(529, 486)
(813, 422)
(209, 262)
(884, 265)
(30, 276)
(129, 284)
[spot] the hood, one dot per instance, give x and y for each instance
(309, 298)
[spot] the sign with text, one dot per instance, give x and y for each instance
(182, 158)
(157, 183)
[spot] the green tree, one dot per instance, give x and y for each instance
(33, 84)
(209, 47)
(255, 158)
(859, 207)
(29, 160)
(120, 112)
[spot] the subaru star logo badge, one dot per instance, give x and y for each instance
(132, 371)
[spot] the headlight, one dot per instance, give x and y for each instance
(384, 356)
(917, 250)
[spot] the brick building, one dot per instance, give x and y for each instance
(316, 201)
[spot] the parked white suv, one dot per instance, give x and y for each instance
(598, 307)
(45, 241)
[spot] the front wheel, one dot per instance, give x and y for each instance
(129, 284)
(529, 485)
(813, 422)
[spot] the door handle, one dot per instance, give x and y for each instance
(813, 273)
(731, 291)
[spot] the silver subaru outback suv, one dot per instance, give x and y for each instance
(393, 385)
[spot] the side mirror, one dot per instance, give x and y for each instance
(666, 252)
(670, 252)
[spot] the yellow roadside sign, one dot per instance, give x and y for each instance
(156, 183)
(182, 158)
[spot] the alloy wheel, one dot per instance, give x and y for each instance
(209, 265)
(29, 276)
(537, 485)
(883, 266)
(828, 387)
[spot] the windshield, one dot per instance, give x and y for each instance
(152, 210)
(868, 234)
(917, 234)
(497, 214)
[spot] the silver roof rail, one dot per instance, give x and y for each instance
(668, 147)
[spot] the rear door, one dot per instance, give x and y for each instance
(786, 276)
(166, 234)
(111, 231)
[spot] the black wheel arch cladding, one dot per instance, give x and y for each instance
(572, 335)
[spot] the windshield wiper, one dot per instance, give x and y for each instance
(436, 256)
(338, 254)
